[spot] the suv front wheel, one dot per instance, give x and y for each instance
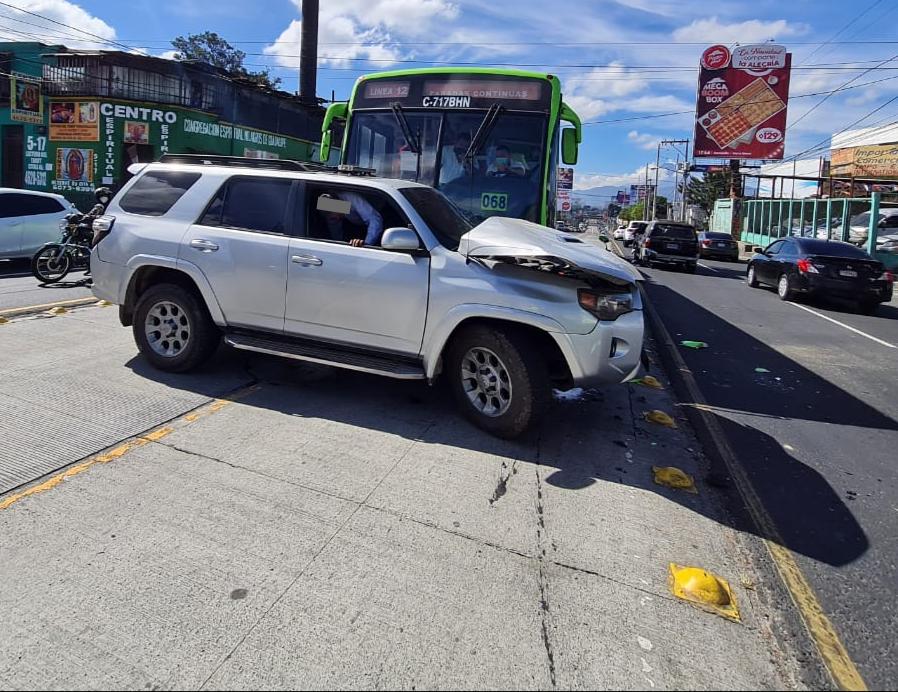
(172, 328)
(498, 379)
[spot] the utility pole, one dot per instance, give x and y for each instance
(685, 180)
(663, 142)
(645, 194)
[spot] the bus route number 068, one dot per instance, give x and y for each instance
(491, 201)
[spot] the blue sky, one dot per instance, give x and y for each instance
(617, 59)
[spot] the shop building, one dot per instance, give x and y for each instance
(72, 120)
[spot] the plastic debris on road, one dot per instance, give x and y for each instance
(660, 418)
(693, 344)
(570, 395)
(761, 370)
(706, 590)
(672, 477)
(648, 381)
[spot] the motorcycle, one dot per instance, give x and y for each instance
(54, 261)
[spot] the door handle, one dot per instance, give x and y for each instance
(203, 245)
(307, 260)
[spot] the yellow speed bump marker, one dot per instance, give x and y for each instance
(57, 311)
(660, 418)
(706, 590)
(672, 477)
(3, 320)
(103, 303)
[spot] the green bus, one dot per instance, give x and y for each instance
(489, 139)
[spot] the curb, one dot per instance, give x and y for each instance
(31, 309)
(726, 467)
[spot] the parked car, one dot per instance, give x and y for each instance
(668, 242)
(619, 232)
(633, 231)
(823, 268)
(720, 245)
(28, 219)
(267, 255)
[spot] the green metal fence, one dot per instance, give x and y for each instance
(852, 219)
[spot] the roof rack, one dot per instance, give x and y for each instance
(244, 162)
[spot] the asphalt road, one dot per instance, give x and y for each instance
(807, 395)
(18, 288)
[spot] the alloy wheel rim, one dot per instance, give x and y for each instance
(486, 382)
(783, 285)
(167, 328)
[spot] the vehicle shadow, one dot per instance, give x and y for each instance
(14, 269)
(597, 438)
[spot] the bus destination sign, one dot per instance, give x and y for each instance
(514, 93)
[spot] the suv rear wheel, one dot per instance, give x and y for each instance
(173, 329)
(498, 379)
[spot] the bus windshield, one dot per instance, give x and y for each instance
(501, 175)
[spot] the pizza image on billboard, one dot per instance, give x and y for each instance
(741, 111)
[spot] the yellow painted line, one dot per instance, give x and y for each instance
(11, 312)
(121, 450)
(830, 647)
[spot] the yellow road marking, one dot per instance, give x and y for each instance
(9, 312)
(830, 647)
(121, 450)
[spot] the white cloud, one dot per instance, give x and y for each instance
(61, 11)
(586, 181)
(752, 31)
(344, 25)
(168, 55)
(643, 140)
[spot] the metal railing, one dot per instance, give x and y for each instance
(850, 219)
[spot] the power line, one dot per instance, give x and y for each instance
(840, 31)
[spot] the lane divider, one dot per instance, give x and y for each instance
(842, 324)
(821, 631)
(153, 435)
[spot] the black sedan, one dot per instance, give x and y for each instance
(825, 268)
(720, 245)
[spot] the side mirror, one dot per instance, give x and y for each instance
(400, 239)
(569, 146)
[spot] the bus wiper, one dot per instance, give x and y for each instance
(410, 138)
(486, 126)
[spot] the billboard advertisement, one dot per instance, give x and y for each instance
(639, 192)
(741, 102)
(74, 121)
(875, 161)
(26, 103)
(565, 179)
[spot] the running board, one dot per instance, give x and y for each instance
(389, 366)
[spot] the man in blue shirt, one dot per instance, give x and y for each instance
(360, 213)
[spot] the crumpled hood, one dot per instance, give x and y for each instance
(524, 243)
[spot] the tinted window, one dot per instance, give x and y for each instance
(447, 221)
(668, 230)
(776, 247)
(253, 204)
(17, 204)
(832, 249)
(717, 236)
(156, 192)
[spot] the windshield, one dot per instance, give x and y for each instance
(502, 176)
(831, 248)
(447, 222)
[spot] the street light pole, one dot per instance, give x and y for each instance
(645, 194)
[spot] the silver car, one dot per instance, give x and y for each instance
(377, 275)
(29, 219)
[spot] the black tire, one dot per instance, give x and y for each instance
(49, 266)
(751, 278)
(691, 268)
(784, 287)
(529, 393)
(867, 307)
(186, 349)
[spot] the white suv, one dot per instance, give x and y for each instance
(384, 276)
(28, 220)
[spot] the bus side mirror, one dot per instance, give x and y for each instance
(325, 151)
(569, 146)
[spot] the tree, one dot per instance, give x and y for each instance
(635, 212)
(211, 48)
(704, 192)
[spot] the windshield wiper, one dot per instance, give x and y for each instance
(410, 138)
(486, 126)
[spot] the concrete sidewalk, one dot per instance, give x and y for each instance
(348, 531)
